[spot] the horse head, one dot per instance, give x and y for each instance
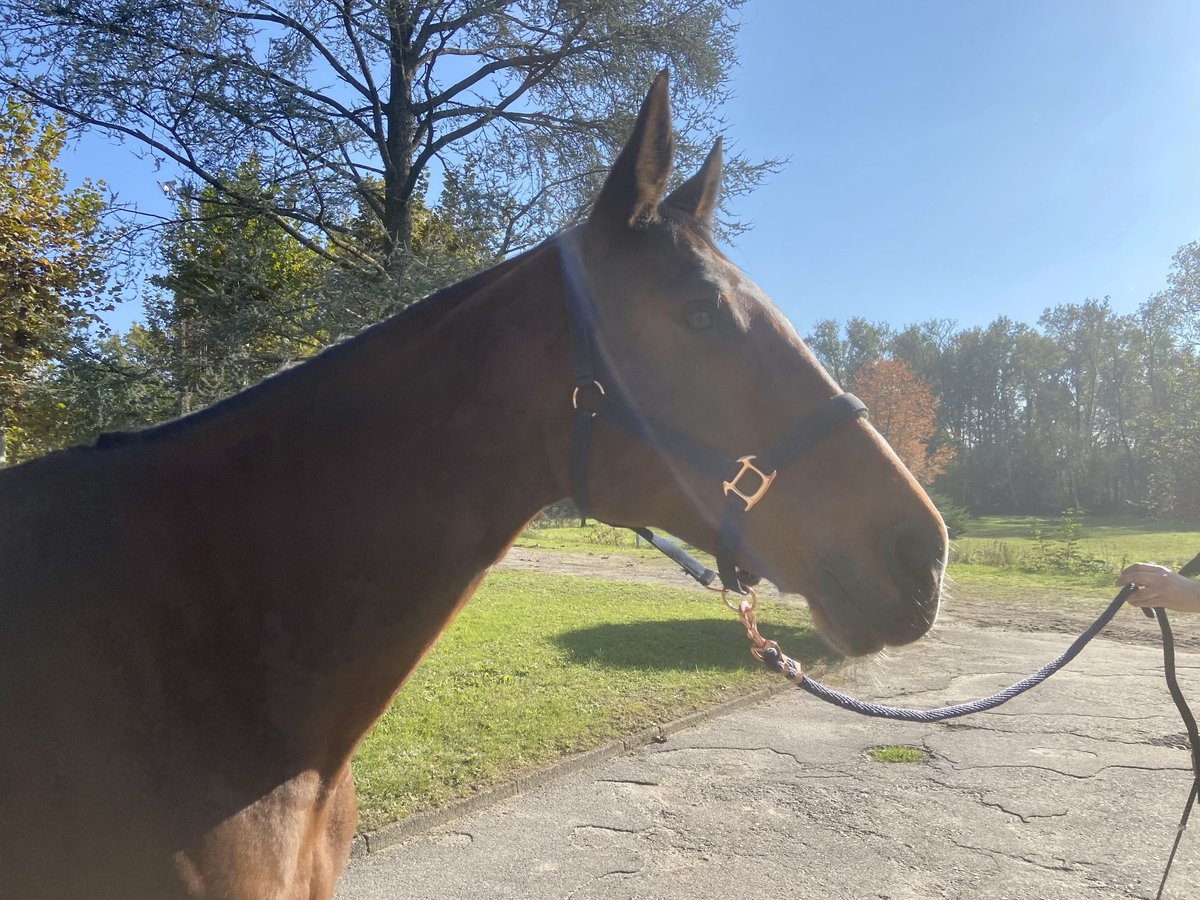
(699, 356)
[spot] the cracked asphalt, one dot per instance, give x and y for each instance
(1071, 790)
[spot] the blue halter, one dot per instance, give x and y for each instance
(743, 480)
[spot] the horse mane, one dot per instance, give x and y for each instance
(414, 316)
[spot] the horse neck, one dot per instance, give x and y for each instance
(382, 483)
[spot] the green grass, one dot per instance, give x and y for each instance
(1143, 539)
(1003, 550)
(1015, 581)
(897, 753)
(538, 666)
(997, 550)
(595, 537)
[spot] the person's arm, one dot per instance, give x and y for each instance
(1159, 586)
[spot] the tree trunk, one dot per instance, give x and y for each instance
(397, 190)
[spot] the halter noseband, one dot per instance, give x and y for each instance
(744, 480)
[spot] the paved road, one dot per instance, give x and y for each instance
(1073, 790)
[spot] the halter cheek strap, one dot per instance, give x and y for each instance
(743, 481)
(827, 418)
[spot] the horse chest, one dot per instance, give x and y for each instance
(288, 845)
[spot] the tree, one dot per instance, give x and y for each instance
(924, 348)
(240, 298)
(981, 407)
(521, 104)
(52, 244)
(1183, 282)
(864, 343)
(1174, 482)
(112, 384)
(1093, 409)
(1167, 418)
(903, 410)
(826, 342)
(1094, 371)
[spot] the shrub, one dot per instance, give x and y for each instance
(557, 515)
(608, 536)
(956, 516)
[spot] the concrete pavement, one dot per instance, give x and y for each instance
(1072, 790)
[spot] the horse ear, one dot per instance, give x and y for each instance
(699, 194)
(639, 176)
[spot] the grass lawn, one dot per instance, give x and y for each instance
(996, 550)
(1137, 539)
(594, 538)
(1011, 582)
(538, 666)
(1005, 550)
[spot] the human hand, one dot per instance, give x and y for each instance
(1159, 586)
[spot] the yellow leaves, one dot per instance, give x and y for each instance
(51, 246)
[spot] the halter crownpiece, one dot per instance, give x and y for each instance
(743, 481)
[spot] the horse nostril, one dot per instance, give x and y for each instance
(914, 555)
(917, 561)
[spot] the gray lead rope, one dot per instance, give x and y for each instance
(1189, 721)
(776, 661)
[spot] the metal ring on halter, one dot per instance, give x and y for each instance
(750, 602)
(575, 394)
(745, 580)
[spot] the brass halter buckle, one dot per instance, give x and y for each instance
(731, 487)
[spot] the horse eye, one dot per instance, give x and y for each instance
(699, 319)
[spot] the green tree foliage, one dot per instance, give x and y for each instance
(444, 249)
(239, 297)
(355, 102)
(236, 299)
(1089, 410)
(845, 352)
(111, 384)
(52, 247)
(1094, 360)
(1184, 290)
(1166, 415)
(344, 109)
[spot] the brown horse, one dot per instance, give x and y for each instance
(199, 622)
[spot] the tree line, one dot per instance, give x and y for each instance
(302, 140)
(1088, 409)
(303, 137)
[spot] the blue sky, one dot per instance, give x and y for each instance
(946, 159)
(963, 160)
